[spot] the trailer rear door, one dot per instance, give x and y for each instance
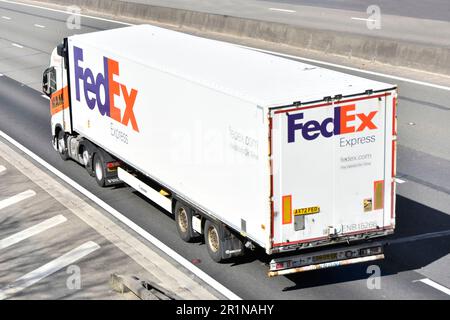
(332, 168)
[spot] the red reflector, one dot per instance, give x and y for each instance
(280, 265)
(111, 165)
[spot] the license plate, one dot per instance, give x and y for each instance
(325, 257)
(305, 211)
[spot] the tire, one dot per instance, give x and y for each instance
(88, 165)
(213, 240)
(99, 169)
(183, 220)
(62, 150)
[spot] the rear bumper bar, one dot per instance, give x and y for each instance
(326, 259)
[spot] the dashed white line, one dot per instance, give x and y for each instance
(261, 50)
(48, 269)
(65, 12)
(39, 25)
(139, 230)
(32, 231)
(435, 285)
(17, 198)
(282, 10)
(398, 180)
(378, 74)
(6, 18)
(362, 19)
(2, 168)
(45, 97)
(17, 45)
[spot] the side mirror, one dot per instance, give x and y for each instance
(60, 50)
(49, 81)
(45, 85)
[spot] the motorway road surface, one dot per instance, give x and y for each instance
(423, 201)
(415, 21)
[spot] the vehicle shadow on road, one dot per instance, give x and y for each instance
(413, 219)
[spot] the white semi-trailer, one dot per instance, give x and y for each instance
(245, 148)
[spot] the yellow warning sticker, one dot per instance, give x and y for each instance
(367, 204)
(309, 210)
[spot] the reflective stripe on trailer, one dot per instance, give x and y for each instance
(326, 265)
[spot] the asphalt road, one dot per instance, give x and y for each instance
(431, 9)
(425, 22)
(423, 201)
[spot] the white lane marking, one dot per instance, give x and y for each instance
(17, 45)
(363, 19)
(39, 25)
(48, 269)
(163, 247)
(419, 237)
(2, 168)
(45, 97)
(34, 230)
(282, 10)
(422, 83)
(435, 285)
(17, 198)
(6, 18)
(1, 74)
(65, 12)
(398, 180)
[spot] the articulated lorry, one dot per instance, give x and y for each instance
(244, 148)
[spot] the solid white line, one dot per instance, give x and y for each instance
(6, 18)
(398, 180)
(419, 237)
(66, 12)
(171, 253)
(39, 25)
(362, 19)
(45, 97)
(282, 10)
(48, 269)
(17, 198)
(261, 50)
(17, 45)
(2, 168)
(422, 83)
(34, 230)
(435, 285)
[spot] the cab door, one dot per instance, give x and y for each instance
(54, 86)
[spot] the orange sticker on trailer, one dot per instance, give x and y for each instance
(378, 197)
(287, 209)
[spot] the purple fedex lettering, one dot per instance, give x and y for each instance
(111, 89)
(339, 124)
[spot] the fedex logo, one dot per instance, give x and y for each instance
(94, 85)
(345, 120)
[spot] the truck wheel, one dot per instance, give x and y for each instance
(86, 162)
(183, 219)
(214, 241)
(99, 169)
(62, 150)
